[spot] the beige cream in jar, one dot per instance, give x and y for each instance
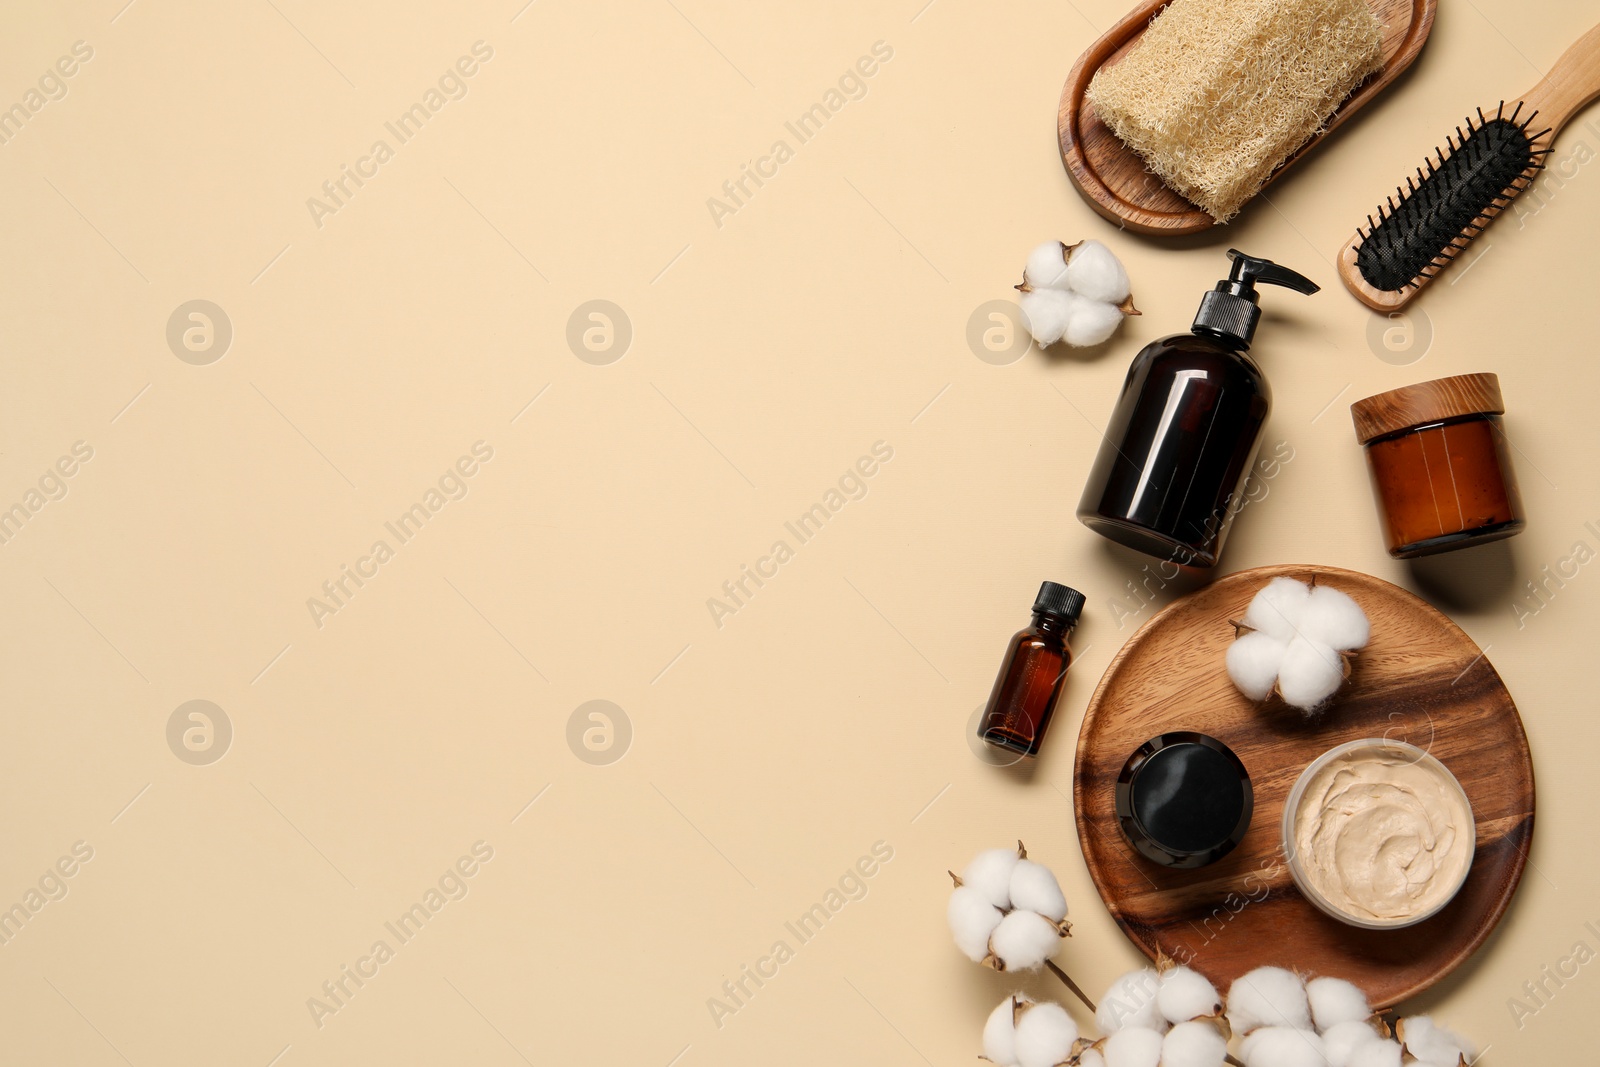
(1378, 833)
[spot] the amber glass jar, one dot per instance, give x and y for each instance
(1440, 465)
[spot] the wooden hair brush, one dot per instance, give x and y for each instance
(1436, 214)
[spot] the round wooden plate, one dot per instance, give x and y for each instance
(1420, 679)
(1114, 178)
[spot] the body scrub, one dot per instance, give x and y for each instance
(1379, 834)
(1440, 466)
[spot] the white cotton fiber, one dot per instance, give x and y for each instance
(1047, 266)
(1253, 661)
(1332, 618)
(1024, 940)
(1045, 1034)
(1186, 994)
(1310, 674)
(1091, 1057)
(972, 920)
(1000, 1035)
(1035, 888)
(1432, 1043)
(1375, 1054)
(1340, 1040)
(990, 874)
(1094, 271)
(1277, 608)
(1046, 314)
(1283, 1046)
(1334, 1001)
(1193, 1044)
(1091, 323)
(1268, 996)
(1131, 1001)
(1133, 1046)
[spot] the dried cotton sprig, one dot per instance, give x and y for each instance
(1074, 293)
(1008, 912)
(1295, 643)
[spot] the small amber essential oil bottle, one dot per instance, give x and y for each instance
(1030, 679)
(1441, 469)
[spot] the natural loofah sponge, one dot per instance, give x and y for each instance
(1216, 93)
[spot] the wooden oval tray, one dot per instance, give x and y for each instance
(1420, 679)
(1114, 178)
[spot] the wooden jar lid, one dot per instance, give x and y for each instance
(1425, 402)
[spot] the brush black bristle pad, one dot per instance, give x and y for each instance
(1468, 185)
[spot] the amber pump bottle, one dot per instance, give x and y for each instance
(1171, 469)
(1024, 695)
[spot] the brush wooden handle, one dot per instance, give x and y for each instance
(1573, 82)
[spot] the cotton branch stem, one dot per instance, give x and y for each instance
(1080, 994)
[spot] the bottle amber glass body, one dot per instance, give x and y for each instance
(1025, 693)
(1444, 486)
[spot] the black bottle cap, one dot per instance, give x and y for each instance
(1061, 601)
(1230, 312)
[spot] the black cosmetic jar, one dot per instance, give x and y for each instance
(1184, 799)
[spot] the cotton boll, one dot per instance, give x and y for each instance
(1186, 994)
(1045, 1034)
(1277, 608)
(1283, 1046)
(1024, 939)
(1133, 1046)
(1000, 1035)
(1131, 1001)
(1340, 1040)
(1034, 888)
(1091, 1057)
(1253, 662)
(990, 874)
(1047, 266)
(1268, 996)
(1310, 674)
(1332, 618)
(972, 920)
(1046, 314)
(1375, 1054)
(1334, 1001)
(1091, 323)
(1432, 1043)
(1193, 1044)
(1094, 271)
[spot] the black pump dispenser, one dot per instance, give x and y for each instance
(1178, 449)
(1230, 312)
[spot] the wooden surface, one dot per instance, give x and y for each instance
(1571, 84)
(1115, 180)
(1420, 679)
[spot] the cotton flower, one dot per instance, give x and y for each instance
(1076, 293)
(1133, 1046)
(1335, 1001)
(1131, 1001)
(1296, 642)
(1035, 888)
(1378, 1053)
(1006, 911)
(1193, 1044)
(1000, 1032)
(1091, 1057)
(1432, 1044)
(972, 920)
(1044, 1036)
(1340, 1041)
(1186, 994)
(1268, 996)
(1283, 1046)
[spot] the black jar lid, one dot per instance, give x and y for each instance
(1184, 799)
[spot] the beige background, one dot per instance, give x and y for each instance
(768, 353)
